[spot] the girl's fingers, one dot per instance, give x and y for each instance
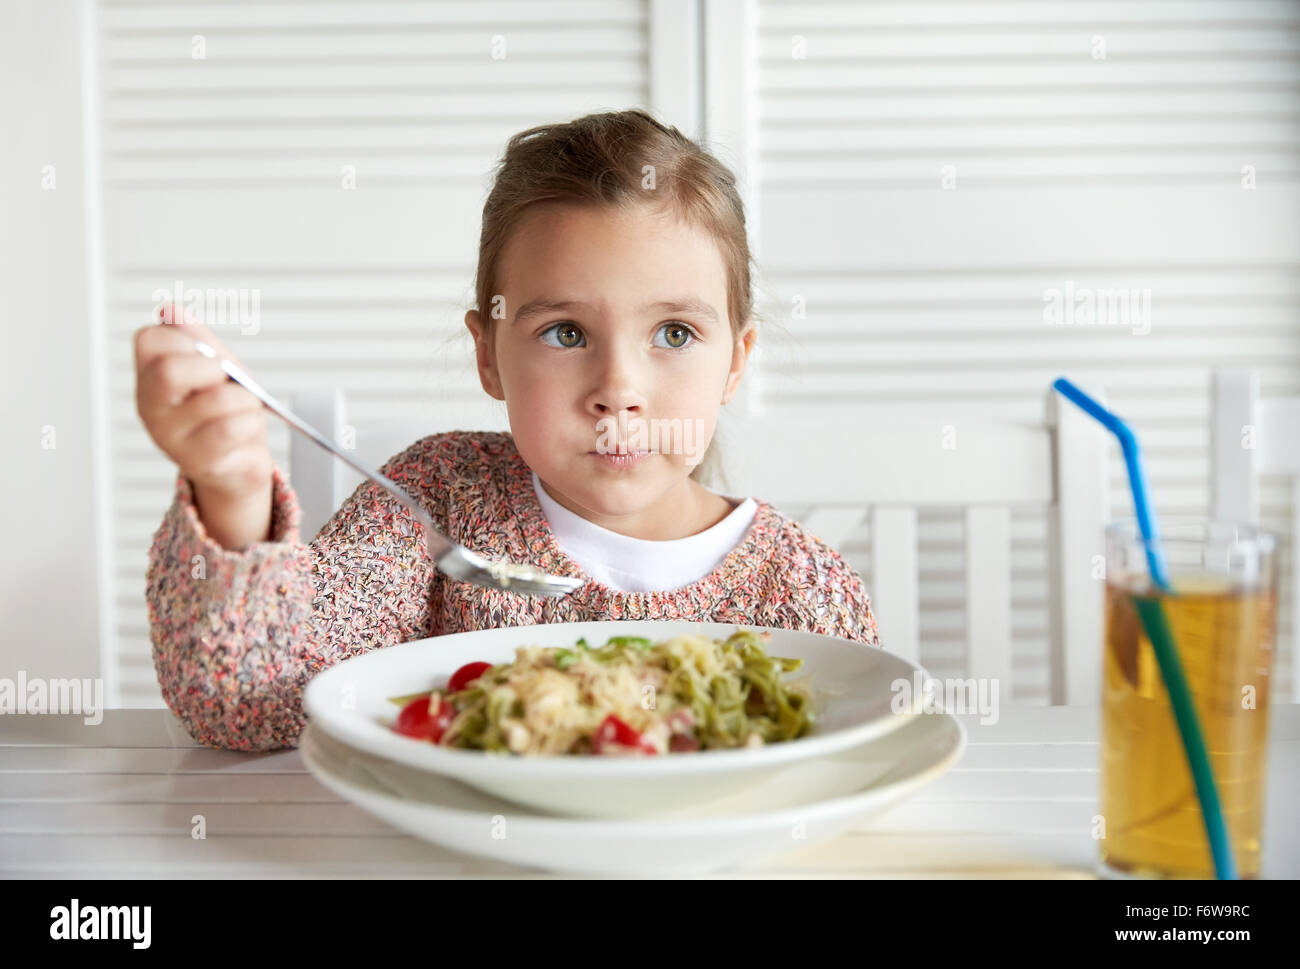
(214, 429)
(168, 380)
(203, 405)
(173, 313)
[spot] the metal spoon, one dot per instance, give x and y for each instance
(450, 558)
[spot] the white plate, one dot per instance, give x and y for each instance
(853, 684)
(448, 813)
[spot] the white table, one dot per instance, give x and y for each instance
(117, 800)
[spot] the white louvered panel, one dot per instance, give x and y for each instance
(226, 174)
(1117, 173)
(887, 93)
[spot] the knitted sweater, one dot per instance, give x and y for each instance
(237, 635)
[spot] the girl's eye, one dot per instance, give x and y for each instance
(678, 335)
(568, 336)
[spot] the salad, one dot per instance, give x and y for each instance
(630, 696)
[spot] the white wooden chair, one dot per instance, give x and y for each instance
(892, 462)
(1250, 437)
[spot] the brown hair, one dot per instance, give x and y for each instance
(602, 159)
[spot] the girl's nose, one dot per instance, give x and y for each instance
(617, 386)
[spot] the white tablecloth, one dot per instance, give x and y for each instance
(116, 800)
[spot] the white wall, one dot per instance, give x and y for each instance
(51, 504)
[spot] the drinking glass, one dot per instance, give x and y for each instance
(1222, 611)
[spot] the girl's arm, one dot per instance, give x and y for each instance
(237, 635)
(828, 596)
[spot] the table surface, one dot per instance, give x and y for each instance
(117, 799)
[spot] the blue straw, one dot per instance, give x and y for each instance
(1137, 479)
(1154, 622)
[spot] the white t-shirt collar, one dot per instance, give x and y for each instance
(641, 565)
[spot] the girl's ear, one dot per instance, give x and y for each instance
(744, 345)
(487, 367)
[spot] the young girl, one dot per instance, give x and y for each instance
(613, 292)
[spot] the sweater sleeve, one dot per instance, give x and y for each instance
(237, 634)
(851, 606)
(831, 598)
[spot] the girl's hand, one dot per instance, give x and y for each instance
(213, 428)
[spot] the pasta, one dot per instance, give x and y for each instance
(630, 696)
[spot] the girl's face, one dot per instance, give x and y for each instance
(611, 332)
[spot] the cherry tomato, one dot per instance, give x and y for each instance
(613, 732)
(425, 718)
(466, 675)
(683, 742)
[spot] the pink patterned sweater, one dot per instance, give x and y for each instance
(237, 635)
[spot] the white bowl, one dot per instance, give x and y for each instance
(854, 689)
(442, 811)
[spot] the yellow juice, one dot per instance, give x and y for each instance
(1225, 640)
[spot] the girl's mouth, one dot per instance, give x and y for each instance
(627, 460)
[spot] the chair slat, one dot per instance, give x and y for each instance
(1076, 547)
(894, 578)
(988, 595)
(1234, 481)
(313, 471)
